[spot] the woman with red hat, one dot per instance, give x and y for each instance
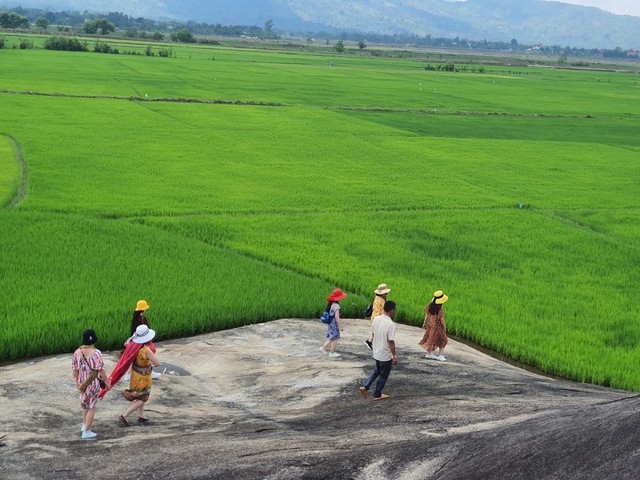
(335, 326)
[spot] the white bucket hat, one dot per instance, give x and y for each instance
(143, 334)
(382, 289)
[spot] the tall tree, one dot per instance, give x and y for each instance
(42, 23)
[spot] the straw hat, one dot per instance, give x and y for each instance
(439, 297)
(336, 296)
(382, 289)
(89, 337)
(143, 334)
(142, 305)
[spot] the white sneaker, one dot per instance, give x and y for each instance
(441, 358)
(322, 350)
(84, 428)
(334, 355)
(155, 374)
(88, 435)
(431, 356)
(127, 376)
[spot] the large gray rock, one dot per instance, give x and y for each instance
(262, 402)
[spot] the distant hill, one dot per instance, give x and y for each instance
(528, 21)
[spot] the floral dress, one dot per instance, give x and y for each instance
(85, 368)
(378, 307)
(140, 385)
(333, 331)
(435, 335)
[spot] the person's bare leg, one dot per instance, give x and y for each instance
(88, 422)
(132, 408)
(141, 412)
(333, 346)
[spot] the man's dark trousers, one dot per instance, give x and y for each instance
(382, 370)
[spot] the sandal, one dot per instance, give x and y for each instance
(142, 420)
(123, 421)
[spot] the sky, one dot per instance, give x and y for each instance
(621, 7)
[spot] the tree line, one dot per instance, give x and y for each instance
(92, 23)
(138, 27)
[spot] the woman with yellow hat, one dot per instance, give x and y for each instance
(138, 316)
(435, 335)
(139, 319)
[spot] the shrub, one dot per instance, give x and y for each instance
(158, 36)
(104, 47)
(166, 52)
(58, 42)
(25, 44)
(183, 36)
(3, 42)
(580, 64)
(207, 41)
(149, 51)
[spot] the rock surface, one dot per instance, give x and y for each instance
(262, 402)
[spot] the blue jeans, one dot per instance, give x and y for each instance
(382, 370)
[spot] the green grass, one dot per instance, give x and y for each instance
(523, 283)
(221, 215)
(10, 171)
(65, 273)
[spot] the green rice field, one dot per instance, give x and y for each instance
(515, 191)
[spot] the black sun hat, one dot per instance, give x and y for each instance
(89, 337)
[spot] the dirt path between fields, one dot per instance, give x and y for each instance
(22, 192)
(262, 402)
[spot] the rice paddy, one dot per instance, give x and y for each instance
(514, 191)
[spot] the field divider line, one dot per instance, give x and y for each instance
(248, 213)
(129, 86)
(249, 256)
(586, 228)
(21, 194)
(457, 113)
(144, 99)
(427, 111)
(264, 213)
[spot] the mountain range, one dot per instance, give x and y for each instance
(527, 21)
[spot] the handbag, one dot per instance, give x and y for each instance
(369, 311)
(83, 386)
(94, 374)
(327, 317)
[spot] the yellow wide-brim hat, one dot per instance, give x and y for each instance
(439, 297)
(142, 305)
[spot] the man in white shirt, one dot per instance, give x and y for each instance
(384, 350)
